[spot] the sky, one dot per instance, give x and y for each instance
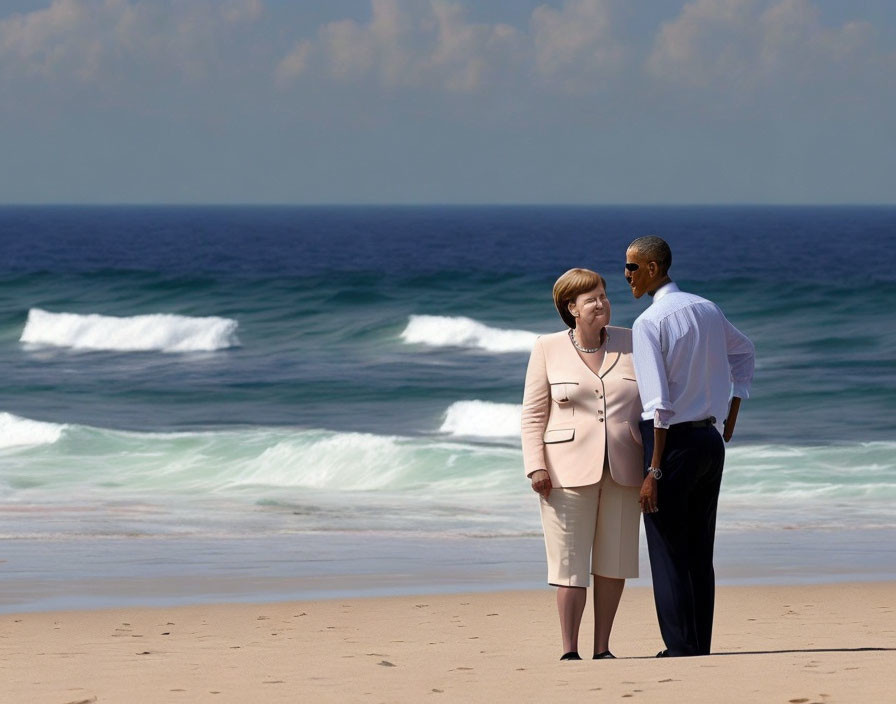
(448, 101)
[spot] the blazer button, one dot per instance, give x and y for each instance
(601, 420)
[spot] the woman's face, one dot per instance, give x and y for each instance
(592, 307)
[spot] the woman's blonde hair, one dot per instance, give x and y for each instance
(570, 285)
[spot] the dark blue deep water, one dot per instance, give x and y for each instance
(322, 295)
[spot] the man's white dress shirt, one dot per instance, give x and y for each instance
(688, 358)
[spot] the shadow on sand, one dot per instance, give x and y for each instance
(780, 652)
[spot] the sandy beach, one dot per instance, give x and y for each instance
(797, 644)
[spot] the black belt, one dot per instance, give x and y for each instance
(705, 423)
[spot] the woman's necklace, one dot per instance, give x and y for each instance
(588, 350)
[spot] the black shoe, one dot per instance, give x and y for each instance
(571, 655)
(606, 655)
(663, 654)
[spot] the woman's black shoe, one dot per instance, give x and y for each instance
(571, 655)
(606, 655)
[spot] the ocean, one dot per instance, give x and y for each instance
(278, 402)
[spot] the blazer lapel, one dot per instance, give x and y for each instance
(611, 357)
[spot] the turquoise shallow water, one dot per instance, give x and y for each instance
(73, 573)
(225, 374)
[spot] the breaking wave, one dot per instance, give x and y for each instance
(22, 432)
(482, 419)
(140, 333)
(444, 331)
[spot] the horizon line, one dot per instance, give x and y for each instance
(436, 204)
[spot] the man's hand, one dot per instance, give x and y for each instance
(649, 495)
(541, 482)
(731, 419)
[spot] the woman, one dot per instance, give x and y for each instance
(582, 452)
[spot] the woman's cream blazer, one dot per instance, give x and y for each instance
(571, 415)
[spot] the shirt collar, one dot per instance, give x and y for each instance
(670, 287)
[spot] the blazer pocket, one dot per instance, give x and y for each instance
(559, 435)
(560, 390)
(635, 432)
(629, 378)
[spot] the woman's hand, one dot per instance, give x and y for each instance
(541, 482)
(649, 495)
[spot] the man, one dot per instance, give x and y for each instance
(687, 356)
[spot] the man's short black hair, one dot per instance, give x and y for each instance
(654, 249)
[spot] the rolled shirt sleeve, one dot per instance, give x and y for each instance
(741, 359)
(650, 369)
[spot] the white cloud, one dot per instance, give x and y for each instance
(465, 53)
(724, 51)
(745, 46)
(414, 43)
(237, 11)
(85, 40)
(40, 42)
(433, 44)
(295, 63)
(406, 43)
(575, 43)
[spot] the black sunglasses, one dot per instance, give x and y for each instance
(631, 266)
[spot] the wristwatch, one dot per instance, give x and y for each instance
(655, 472)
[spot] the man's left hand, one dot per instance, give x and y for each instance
(649, 496)
(728, 425)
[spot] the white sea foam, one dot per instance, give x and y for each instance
(21, 432)
(434, 478)
(849, 485)
(340, 461)
(443, 331)
(251, 462)
(782, 469)
(482, 419)
(156, 332)
(365, 462)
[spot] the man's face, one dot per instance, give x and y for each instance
(639, 279)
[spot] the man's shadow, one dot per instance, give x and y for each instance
(781, 652)
(806, 650)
